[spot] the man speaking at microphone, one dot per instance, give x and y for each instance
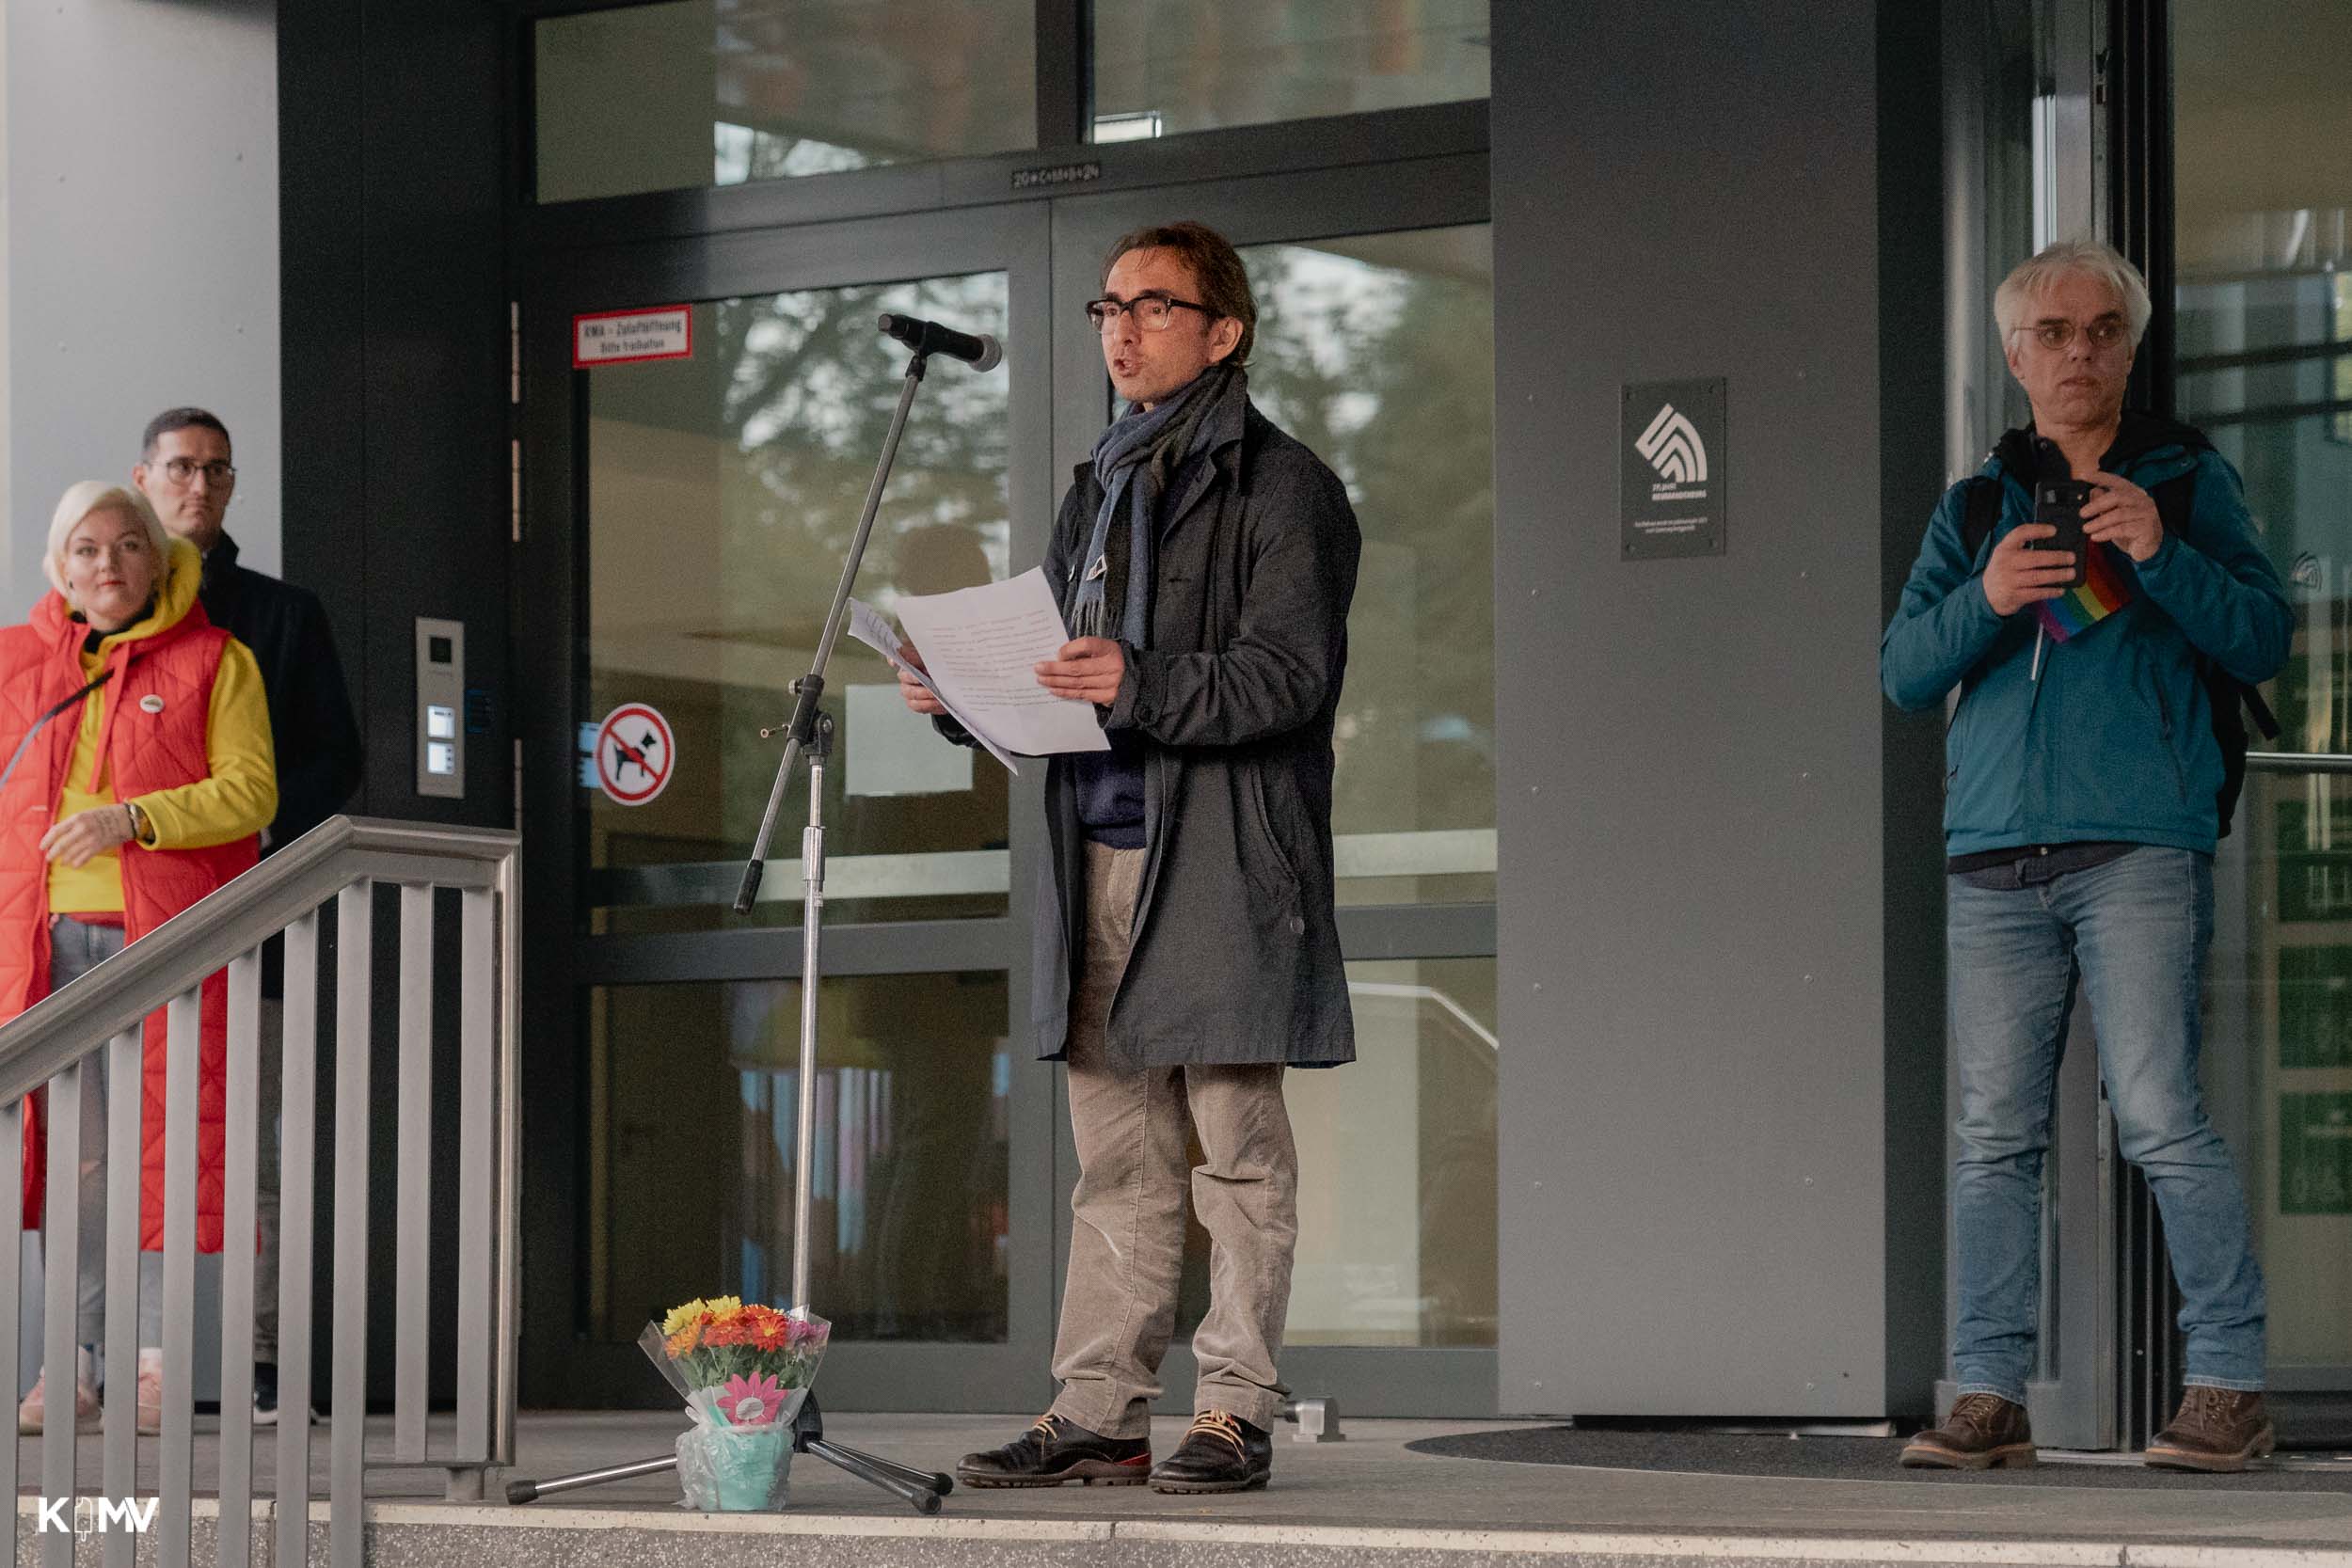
(1187, 950)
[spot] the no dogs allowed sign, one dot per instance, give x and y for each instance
(634, 756)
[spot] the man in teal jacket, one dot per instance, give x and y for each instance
(2080, 816)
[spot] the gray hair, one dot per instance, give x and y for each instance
(2092, 258)
(96, 494)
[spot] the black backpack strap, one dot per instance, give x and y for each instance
(2231, 700)
(1982, 511)
(2264, 721)
(2174, 499)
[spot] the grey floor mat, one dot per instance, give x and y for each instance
(1828, 1459)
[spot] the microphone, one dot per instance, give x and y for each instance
(981, 352)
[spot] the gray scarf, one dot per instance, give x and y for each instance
(1134, 460)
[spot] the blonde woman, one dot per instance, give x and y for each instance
(138, 778)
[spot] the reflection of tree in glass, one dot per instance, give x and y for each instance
(810, 87)
(809, 395)
(808, 405)
(1389, 374)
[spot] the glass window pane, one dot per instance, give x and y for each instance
(2278, 1051)
(693, 1096)
(718, 92)
(722, 493)
(2262, 244)
(2000, 57)
(1396, 1163)
(1165, 66)
(1364, 346)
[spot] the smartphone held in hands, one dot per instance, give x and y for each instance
(2059, 503)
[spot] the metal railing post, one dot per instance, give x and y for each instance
(413, 1181)
(175, 1522)
(240, 1170)
(126, 1056)
(297, 1206)
(59, 1277)
(347, 1484)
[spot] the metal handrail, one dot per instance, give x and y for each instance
(39, 1042)
(64, 1037)
(2298, 762)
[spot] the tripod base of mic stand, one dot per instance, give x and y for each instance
(922, 1489)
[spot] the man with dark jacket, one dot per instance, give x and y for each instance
(1188, 949)
(185, 470)
(2080, 816)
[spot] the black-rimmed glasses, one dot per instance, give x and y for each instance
(1152, 312)
(180, 470)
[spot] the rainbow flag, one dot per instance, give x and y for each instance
(2106, 588)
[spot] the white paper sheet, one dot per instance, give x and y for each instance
(867, 626)
(981, 646)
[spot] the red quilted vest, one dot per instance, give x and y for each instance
(151, 737)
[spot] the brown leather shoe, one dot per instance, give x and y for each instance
(2216, 1431)
(1983, 1431)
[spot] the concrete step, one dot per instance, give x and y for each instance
(1368, 1500)
(459, 1536)
(462, 1535)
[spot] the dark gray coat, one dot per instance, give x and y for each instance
(1236, 952)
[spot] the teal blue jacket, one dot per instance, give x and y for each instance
(2114, 742)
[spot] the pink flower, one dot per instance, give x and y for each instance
(752, 1402)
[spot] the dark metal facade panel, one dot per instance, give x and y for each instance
(1694, 925)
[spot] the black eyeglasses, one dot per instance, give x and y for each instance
(182, 469)
(1152, 312)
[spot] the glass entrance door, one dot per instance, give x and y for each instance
(686, 519)
(682, 567)
(2263, 252)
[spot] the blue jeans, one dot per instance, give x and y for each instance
(2136, 930)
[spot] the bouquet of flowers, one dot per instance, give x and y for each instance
(744, 1370)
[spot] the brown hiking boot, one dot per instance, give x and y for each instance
(1983, 1431)
(2216, 1431)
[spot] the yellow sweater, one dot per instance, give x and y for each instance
(240, 797)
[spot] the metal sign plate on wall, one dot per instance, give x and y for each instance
(1672, 484)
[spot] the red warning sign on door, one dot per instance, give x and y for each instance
(625, 336)
(634, 757)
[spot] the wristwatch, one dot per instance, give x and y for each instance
(138, 821)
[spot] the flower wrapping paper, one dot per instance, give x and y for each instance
(743, 1371)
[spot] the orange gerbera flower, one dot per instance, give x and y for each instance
(728, 1328)
(682, 1342)
(770, 1328)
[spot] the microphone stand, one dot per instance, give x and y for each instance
(807, 734)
